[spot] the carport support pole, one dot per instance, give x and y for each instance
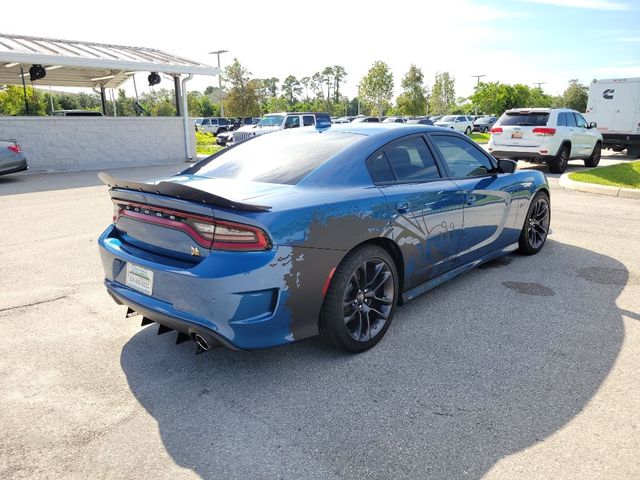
(103, 99)
(176, 87)
(24, 90)
(185, 116)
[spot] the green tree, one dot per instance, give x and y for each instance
(243, 96)
(305, 82)
(339, 74)
(413, 99)
(443, 94)
(575, 96)
(12, 101)
(125, 105)
(291, 89)
(376, 88)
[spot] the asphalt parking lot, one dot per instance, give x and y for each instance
(525, 368)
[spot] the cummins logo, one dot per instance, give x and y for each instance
(608, 93)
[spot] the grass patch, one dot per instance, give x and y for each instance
(206, 143)
(480, 137)
(625, 175)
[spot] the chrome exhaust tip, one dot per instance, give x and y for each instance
(202, 343)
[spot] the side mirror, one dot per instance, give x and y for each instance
(506, 166)
(593, 125)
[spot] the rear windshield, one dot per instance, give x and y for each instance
(283, 158)
(534, 119)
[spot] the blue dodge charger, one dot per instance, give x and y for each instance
(314, 232)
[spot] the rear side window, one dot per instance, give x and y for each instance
(277, 157)
(571, 120)
(380, 169)
(407, 160)
(223, 121)
(534, 119)
(562, 119)
(462, 158)
(206, 122)
(307, 120)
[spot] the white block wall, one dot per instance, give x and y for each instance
(92, 143)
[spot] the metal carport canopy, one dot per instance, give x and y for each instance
(87, 64)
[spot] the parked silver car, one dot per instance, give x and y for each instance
(12, 159)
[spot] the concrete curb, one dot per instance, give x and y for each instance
(566, 182)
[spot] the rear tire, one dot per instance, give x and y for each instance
(361, 300)
(536, 225)
(467, 131)
(558, 164)
(594, 159)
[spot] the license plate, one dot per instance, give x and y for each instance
(139, 278)
(516, 134)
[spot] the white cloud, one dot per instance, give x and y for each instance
(587, 4)
(628, 39)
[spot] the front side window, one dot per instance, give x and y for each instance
(462, 157)
(411, 161)
(292, 122)
(223, 121)
(307, 120)
(580, 121)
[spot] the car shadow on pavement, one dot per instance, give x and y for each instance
(475, 370)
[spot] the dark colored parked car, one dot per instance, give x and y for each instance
(484, 124)
(366, 120)
(11, 157)
(420, 121)
(310, 231)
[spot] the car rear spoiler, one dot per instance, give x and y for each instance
(183, 192)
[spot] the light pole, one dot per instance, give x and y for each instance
(358, 99)
(539, 83)
(218, 53)
(477, 77)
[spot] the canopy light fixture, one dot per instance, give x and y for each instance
(12, 64)
(37, 72)
(153, 78)
(53, 67)
(106, 77)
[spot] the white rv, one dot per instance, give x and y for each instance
(615, 106)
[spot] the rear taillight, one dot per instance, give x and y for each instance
(496, 130)
(205, 231)
(544, 131)
(15, 148)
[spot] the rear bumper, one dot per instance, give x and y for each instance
(13, 167)
(239, 301)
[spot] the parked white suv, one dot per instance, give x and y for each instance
(461, 123)
(553, 136)
(281, 121)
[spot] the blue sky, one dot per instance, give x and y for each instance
(523, 41)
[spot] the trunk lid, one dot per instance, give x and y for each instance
(179, 217)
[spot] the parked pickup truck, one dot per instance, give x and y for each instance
(280, 121)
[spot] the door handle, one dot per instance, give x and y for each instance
(403, 207)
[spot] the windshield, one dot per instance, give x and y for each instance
(271, 121)
(280, 157)
(448, 118)
(534, 119)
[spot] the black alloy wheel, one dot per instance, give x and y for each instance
(536, 225)
(361, 299)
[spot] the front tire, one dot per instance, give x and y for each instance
(361, 300)
(558, 164)
(594, 159)
(467, 131)
(536, 225)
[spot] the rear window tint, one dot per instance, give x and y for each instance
(284, 158)
(534, 119)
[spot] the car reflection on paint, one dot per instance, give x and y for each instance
(303, 233)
